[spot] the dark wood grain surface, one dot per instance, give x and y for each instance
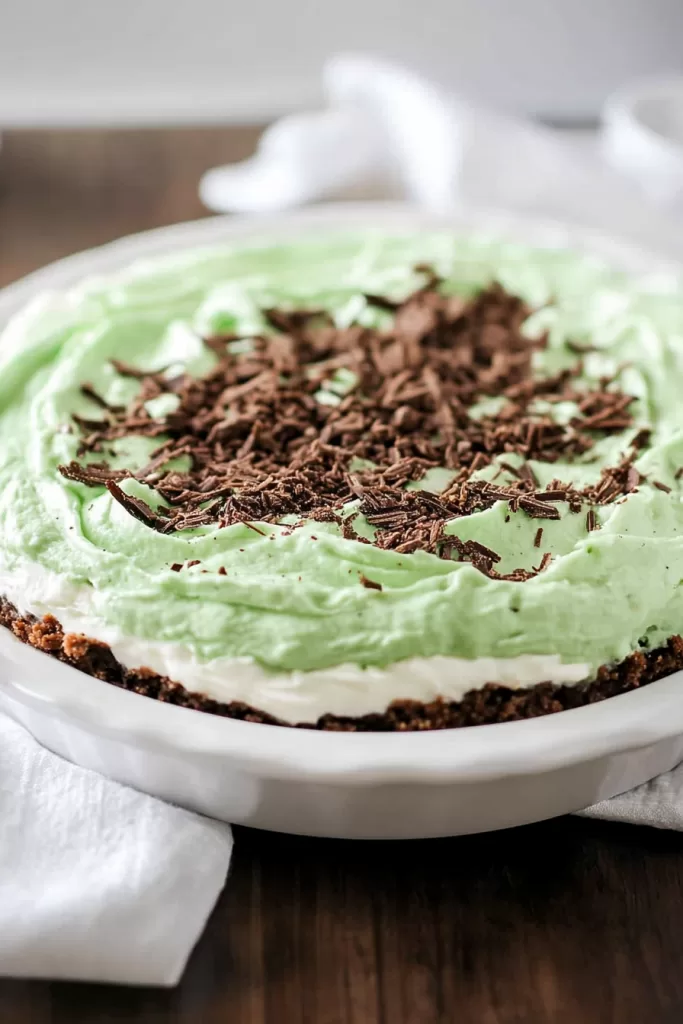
(567, 922)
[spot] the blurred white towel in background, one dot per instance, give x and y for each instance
(387, 132)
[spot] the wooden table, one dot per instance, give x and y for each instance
(568, 922)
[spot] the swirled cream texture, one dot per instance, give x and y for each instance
(292, 601)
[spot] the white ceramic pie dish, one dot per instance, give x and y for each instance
(341, 784)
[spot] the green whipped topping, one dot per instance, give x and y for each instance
(294, 600)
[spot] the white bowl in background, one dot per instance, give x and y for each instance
(642, 137)
(367, 785)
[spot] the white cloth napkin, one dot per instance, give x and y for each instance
(97, 881)
(658, 803)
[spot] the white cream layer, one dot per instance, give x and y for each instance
(346, 690)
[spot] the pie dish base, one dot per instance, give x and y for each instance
(347, 785)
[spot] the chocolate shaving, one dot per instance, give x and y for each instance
(538, 509)
(580, 348)
(126, 370)
(93, 474)
(661, 487)
(474, 547)
(382, 302)
(545, 562)
(89, 391)
(135, 506)
(538, 537)
(591, 520)
(370, 584)
(526, 473)
(633, 478)
(642, 438)
(262, 444)
(251, 526)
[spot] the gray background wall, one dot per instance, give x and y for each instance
(91, 61)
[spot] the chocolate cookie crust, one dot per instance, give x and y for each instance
(492, 703)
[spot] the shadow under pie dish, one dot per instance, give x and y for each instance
(363, 482)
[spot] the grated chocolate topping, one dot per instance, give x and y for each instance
(270, 432)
